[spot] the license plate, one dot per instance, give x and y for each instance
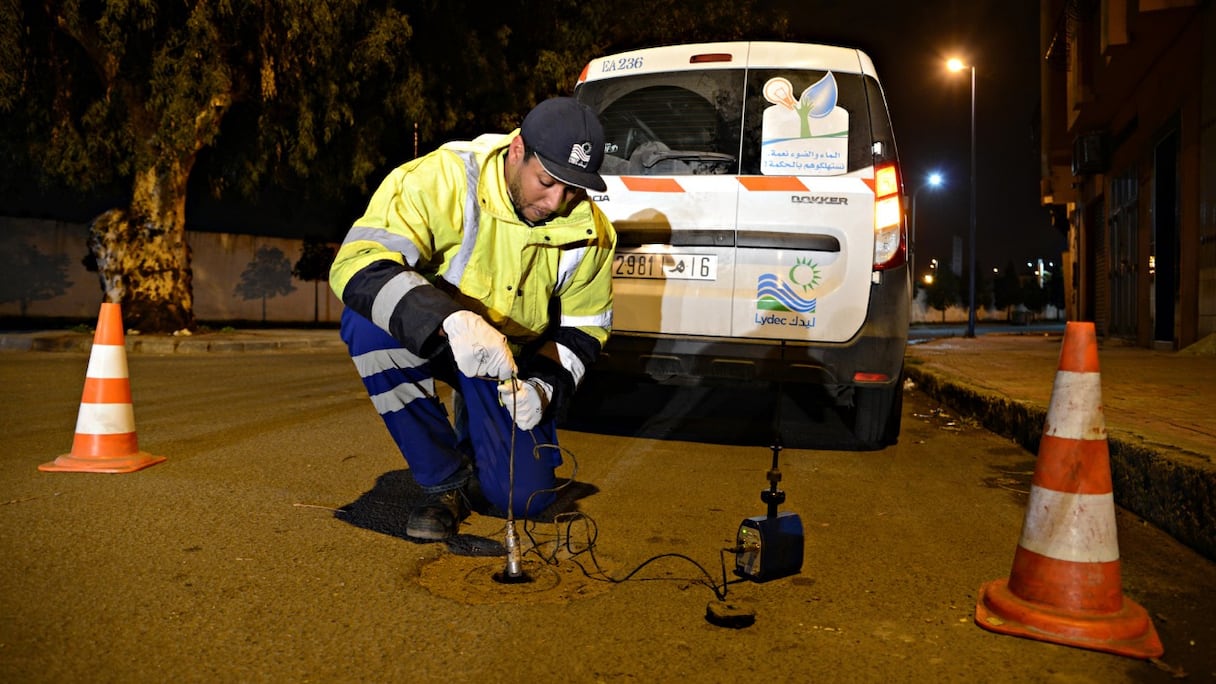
(665, 266)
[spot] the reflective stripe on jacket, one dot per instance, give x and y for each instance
(441, 234)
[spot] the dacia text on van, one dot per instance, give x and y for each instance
(756, 194)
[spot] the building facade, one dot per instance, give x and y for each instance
(1128, 145)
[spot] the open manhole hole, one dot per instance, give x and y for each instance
(470, 580)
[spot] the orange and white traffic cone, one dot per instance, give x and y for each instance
(105, 427)
(1066, 586)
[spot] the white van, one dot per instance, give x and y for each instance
(756, 194)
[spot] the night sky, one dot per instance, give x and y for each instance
(931, 112)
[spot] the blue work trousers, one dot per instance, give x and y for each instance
(402, 388)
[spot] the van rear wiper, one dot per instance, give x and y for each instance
(649, 160)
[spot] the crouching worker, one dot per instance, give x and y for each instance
(483, 265)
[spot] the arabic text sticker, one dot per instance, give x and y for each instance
(804, 137)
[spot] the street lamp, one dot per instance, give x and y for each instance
(933, 181)
(957, 65)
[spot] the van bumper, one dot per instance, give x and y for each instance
(877, 349)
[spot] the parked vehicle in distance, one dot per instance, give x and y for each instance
(756, 192)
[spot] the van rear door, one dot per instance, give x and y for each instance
(806, 213)
(672, 121)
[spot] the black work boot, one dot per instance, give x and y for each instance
(438, 516)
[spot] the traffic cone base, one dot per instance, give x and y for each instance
(1127, 632)
(68, 463)
(1065, 586)
(105, 439)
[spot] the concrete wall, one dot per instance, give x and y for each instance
(42, 263)
(220, 260)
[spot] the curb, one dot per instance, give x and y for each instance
(167, 344)
(1154, 481)
(199, 346)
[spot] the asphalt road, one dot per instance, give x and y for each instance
(268, 546)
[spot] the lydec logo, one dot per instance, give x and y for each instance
(780, 301)
(777, 294)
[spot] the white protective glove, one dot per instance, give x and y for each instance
(525, 400)
(479, 349)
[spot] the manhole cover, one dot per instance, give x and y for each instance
(470, 580)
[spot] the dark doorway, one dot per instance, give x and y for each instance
(1163, 252)
(1125, 266)
(1096, 278)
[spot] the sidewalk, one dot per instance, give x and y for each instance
(1159, 407)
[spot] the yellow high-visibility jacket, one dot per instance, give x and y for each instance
(440, 234)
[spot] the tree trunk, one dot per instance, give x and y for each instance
(143, 259)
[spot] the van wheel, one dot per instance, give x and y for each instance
(877, 413)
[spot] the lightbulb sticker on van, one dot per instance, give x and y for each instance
(783, 301)
(808, 136)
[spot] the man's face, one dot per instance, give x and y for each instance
(537, 196)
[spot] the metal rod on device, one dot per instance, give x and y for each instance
(773, 496)
(513, 573)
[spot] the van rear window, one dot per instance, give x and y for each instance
(669, 124)
(798, 122)
(806, 123)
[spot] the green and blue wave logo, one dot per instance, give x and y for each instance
(776, 294)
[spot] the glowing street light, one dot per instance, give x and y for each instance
(957, 65)
(933, 181)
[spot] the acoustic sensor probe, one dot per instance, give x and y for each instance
(513, 573)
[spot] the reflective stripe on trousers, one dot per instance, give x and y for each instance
(402, 388)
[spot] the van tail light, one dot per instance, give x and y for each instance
(890, 248)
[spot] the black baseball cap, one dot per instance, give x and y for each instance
(567, 138)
